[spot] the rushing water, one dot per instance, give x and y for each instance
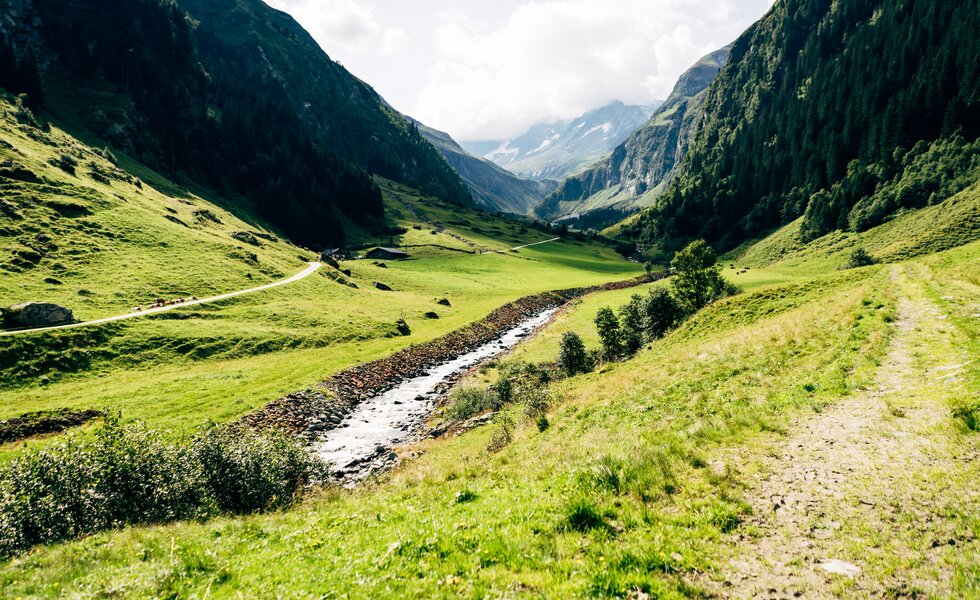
(396, 416)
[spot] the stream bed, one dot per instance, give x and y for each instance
(364, 440)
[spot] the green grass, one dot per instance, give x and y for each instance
(542, 521)
(217, 361)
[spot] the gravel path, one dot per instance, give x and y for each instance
(312, 268)
(864, 468)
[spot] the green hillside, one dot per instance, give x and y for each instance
(842, 113)
(232, 96)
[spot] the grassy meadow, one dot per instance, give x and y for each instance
(642, 483)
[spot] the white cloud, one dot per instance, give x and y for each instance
(348, 26)
(555, 59)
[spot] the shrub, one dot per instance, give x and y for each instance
(504, 388)
(252, 473)
(572, 356)
(543, 423)
(610, 334)
(502, 436)
(697, 279)
(859, 258)
(466, 402)
(128, 475)
(536, 400)
(661, 312)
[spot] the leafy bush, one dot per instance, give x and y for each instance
(129, 475)
(502, 436)
(250, 473)
(466, 402)
(859, 258)
(536, 400)
(572, 356)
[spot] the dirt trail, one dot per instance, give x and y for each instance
(854, 483)
(309, 270)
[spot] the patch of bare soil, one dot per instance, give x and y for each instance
(851, 493)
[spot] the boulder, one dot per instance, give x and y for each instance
(382, 287)
(36, 314)
(329, 260)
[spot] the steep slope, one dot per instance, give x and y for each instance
(259, 113)
(247, 37)
(639, 167)
(493, 188)
(557, 150)
(842, 113)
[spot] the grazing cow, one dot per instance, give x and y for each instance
(137, 309)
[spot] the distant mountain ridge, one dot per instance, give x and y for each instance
(557, 150)
(494, 188)
(639, 167)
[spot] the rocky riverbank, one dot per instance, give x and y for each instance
(310, 413)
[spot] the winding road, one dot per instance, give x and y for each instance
(312, 268)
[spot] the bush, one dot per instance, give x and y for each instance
(536, 400)
(572, 356)
(469, 401)
(859, 258)
(502, 436)
(697, 279)
(661, 312)
(128, 475)
(251, 473)
(610, 334)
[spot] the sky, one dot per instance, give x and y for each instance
(489, 69)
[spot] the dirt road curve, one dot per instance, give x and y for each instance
(312, 268)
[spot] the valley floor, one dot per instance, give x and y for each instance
(797, 440)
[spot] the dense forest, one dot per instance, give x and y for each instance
(841, 112)
(159, 84)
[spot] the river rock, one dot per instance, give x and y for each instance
(839, 567)
(37, 314)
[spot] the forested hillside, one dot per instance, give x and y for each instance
(641, 166)
(224, 110)
(843, 112)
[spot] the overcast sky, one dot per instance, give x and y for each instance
(488, 69)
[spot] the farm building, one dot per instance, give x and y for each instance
(387, 254)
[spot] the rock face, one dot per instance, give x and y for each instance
(36, 314)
